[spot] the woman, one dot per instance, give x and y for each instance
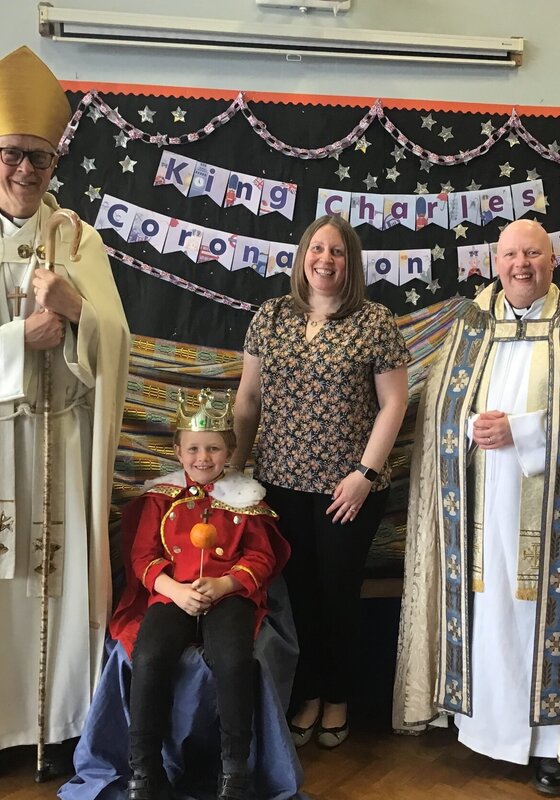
(325, 372)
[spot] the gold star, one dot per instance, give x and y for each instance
(506, 169)
(392, 174)
(421, 188)
(362, 144)
(460, 230)
(178, 114)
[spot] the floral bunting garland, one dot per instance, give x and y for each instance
(376, 111)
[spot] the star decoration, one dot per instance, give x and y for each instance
(447, 188)
(370, 181)
(433, 286)
(88, 164)
(392, 174)
(438, 252)
(160, 139)
(445, 133)
(554, 147)
(398, 153)
(94, 113)
(121, 140)
(336, 155)
(512, 139)
(460, 230)
(412, 297)
(428, 122)
(127, 164)
(487, 128)
(532, 175)
(146, 114)
(178, 114)
(502, 228)
(478, 287)
(362, 144)
(506, 169)
(421, 188)
(343, 172)
(55, 184)
(93, 193)
(473, 187)
(425, 164)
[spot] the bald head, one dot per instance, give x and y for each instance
(524, 262)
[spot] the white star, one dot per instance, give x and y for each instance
(93, 193)
(55, 184)
(412, 297)
(178, 114)
(88, 164)
(121, 140)
(447, 188)
(506, 169)
(362, 144)
(336, 155)
(478, 287)
(532, 175)
(438, 252)
(425, 164)
(445, 133)
(433, 286)
(421, 188)
(94, 113)
(146, 114)
(398, 153)
(428, 122)
(554, 147)
(343, 172)
(487, 128)
(512, 139)
(473, 187)
(370, 181)
(460, 230)
(127, 164)
(392, 174)
(502, 228)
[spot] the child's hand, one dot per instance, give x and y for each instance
(215, 588)
(187, 597)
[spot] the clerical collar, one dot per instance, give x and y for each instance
(520, 313)
(16, 222)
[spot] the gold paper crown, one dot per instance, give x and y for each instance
(32, 101)
(206, 417)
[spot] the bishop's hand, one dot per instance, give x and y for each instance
(55, 293)
(44, 330)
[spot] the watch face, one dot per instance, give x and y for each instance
(368, 472)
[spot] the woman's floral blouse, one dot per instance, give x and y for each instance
(318, 398)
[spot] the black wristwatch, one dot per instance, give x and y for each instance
(367, 472)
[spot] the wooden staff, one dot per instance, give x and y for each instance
(56, 220)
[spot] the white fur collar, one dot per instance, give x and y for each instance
(237, 490)
(234, 489)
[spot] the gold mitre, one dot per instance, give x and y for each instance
(32, 101)
(206, 417)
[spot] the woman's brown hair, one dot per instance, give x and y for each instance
(352, 295)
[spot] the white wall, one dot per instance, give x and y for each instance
(535, 83)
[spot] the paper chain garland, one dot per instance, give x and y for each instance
(135, 263)
(375, 111)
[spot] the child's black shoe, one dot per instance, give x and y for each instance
(232, 786)
(142, 788)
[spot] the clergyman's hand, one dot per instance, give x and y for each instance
(43, 330)
(492, 430)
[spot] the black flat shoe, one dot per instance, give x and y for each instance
(233, 787)
(547, 777)
(141, 788)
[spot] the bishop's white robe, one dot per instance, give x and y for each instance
(503, 626)
(88, 377)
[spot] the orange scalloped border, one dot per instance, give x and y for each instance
(309, 99)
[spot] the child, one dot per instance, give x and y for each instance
(223, 602)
